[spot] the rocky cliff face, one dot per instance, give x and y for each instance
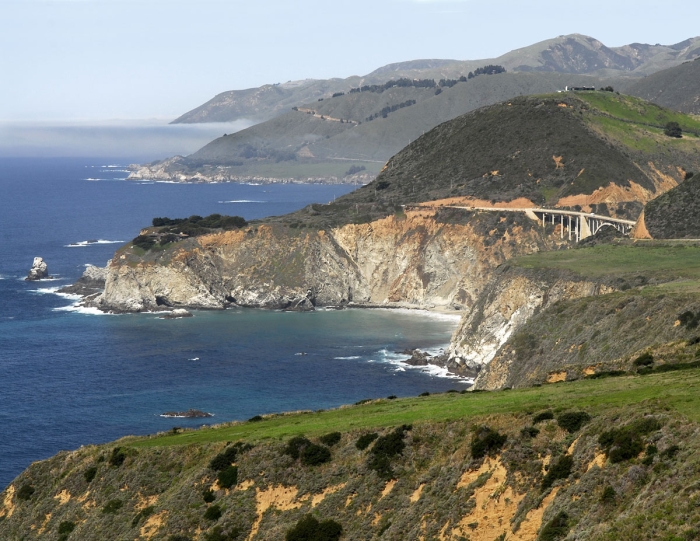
(413, 259)
(509, 300)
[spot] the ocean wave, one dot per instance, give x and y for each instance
(83, 243)
(55, 291)
(397, 359)
(243, 201)
(76, 308)
(350, 358)
(166, 182)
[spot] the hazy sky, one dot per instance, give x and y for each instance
(105, 59)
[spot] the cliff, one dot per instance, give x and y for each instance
(594, 460)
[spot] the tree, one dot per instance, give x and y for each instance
(673, 129)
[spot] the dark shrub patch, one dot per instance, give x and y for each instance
(313, 455)
(670, 452)
(117, 457)
(224, 459)
(555, 529)
(90, 474)
(310, 529)
(179, 538)
(673, 129)
(144, 242)
(625, 443)
(689, 320)
(218, 534)
(573, 420)
(426, 393)
(66, 527)
(393, 396)
(561, 469)
(330, 439)
(213, 513)
(606, 374)
(529, 432)
(386, 448)
(25, 492)
(144, 513)
(112, 506)
(544, 416)
(255, 419)
(609, 495)
(646, 359)
(364, 441)
(486, 441)
(208, 495)
(228, 477)
(295, 446)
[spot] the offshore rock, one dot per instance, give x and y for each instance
(38, 271)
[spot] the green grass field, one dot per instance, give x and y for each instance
(651, 259)
(675, 390)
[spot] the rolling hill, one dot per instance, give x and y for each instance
(676, 88)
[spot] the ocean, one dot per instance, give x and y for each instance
(69, 377)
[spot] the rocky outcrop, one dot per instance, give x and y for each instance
(510, 299)
(92, 281)
(408, 260)
(38, 271)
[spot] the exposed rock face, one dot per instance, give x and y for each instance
(509, 300)
(412, 260)
(92, 281)
(39, 270)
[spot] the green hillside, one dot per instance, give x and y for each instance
(676, 88)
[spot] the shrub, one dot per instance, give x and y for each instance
(25, 492)
(90, 473)
(646, 359)
(313, 455)
(609, 495)
(364, 441)
(393, 396)
(213, 513)
(426, 393)
(529, 432)
(544, 416)
(573, 421)
(144, 242)
(112, 506)
(386, 448)
(66, 527)
(673, 129)
(117, 457)
(208, 495)
(689, 320)
(217, 534)
(561, 469)
(178, 538)
(144, 513)
(228, 477)
(255, 419)
(486, 441)
(310, 529)
(330, 439)
(224, 459)
(671, 451)
(295, 446)
(555, 529)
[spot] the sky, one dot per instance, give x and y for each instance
(72, 65)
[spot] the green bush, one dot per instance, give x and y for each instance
(228, 477)
(555, 529)
(117, 457)
(213, 513)
(646, 359)
(25, 492)
(66, 527)
(673, 129)
(670, 452)
(386, 448)
(330, 439)
(90, 473)
(529, 432)
(224, 459)
(561, 469)
(208, 495)
(609, 495)
(144, 513)
(573, 421)
(217, 534)
(365, 440)
(313, 455)
(144, 242)
(310, 529)
(486, 441)
(255, 419)
(295, 446)
(426, 393)
(544, 416)
(112, 506)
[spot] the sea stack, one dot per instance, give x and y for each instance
(39, 270)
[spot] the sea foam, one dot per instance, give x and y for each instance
(83, 243)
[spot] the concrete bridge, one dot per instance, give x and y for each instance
(579, 225)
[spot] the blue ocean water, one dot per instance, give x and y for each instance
(68, 378)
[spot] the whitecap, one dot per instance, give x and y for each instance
(194, 359)
(83, 243)
(350, 358)
(243, 201)
(397, 359)
(77, 308)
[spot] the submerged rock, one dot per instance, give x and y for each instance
(39, 270)
(189, 414)
(176, 314)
